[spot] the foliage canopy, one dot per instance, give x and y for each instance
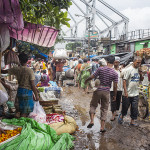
(46, 12)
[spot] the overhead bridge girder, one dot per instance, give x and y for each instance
(92, 12)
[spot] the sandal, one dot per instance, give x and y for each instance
(102, 131)
(90, 125)
(120, 120)
(133, 124)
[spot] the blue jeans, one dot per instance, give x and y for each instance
(126, 102)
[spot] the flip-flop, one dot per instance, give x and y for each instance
(90, 125)
(103, 131)
(133, 124)
(120, 120)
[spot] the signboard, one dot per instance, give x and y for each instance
(93, 34)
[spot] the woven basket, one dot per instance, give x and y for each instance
(49, 103)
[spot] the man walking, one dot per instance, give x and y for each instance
(131, 78)
(106, 75)
(59, 69)
(115, 105)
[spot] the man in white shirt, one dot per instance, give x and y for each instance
(131, 78)
(115, 105)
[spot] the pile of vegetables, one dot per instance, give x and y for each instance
(41, 89)
(145, 52)
(9, 133)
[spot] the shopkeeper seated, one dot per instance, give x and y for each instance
(44, 79)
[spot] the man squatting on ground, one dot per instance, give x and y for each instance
(131, 78)
(106, 75)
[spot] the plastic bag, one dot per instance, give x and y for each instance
(60, 54)
(3, 97)
(38, 113)
(70, 73)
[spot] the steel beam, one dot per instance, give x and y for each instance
(105, 16)
(78, 7)
(112, 26)
(114, 10)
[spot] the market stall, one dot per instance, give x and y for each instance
(41, 128)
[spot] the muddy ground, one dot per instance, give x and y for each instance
(118, 137)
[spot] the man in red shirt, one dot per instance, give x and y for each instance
(59, 69)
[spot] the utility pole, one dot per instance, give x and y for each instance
(87, 28)
(109, 42)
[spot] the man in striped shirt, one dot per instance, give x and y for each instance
(106, 75)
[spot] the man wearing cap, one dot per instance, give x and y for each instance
(115, 105)
(101, 96)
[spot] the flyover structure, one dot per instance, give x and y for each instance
(95, 16)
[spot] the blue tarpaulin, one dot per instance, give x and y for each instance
(34, 48)
(91, 56)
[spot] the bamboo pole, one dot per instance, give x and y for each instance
(0, 62)
(149, 99)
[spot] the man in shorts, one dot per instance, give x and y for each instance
(59, 69)
(107, 75)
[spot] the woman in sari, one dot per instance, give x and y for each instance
(85, 73)
(78, 73)
(25, 77)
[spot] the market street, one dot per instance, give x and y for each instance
(117, 137)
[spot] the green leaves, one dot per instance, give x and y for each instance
(73, 46)
(46, 12)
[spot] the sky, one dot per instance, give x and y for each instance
(138, 12)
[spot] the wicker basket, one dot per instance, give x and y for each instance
(49, 103)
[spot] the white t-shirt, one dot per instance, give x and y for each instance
(132, 77)
(75, 63)
(119, 85)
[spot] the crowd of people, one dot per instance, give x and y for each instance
(112, 82)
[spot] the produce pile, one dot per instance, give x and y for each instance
(145, 52)
(9, 134)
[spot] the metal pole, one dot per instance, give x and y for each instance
(88, 36)
(110, 42)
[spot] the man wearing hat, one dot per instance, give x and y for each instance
(115, 105)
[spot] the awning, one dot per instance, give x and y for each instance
(37, 34)
(11, 17)
(10, 14)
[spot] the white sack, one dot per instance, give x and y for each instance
(60, 54)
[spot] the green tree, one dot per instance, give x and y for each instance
(46, 12)
(25, 47)
(73, 46)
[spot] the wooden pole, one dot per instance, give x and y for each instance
(0, 62)
(149, 99)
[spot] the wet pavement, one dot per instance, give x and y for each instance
(118, 137)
